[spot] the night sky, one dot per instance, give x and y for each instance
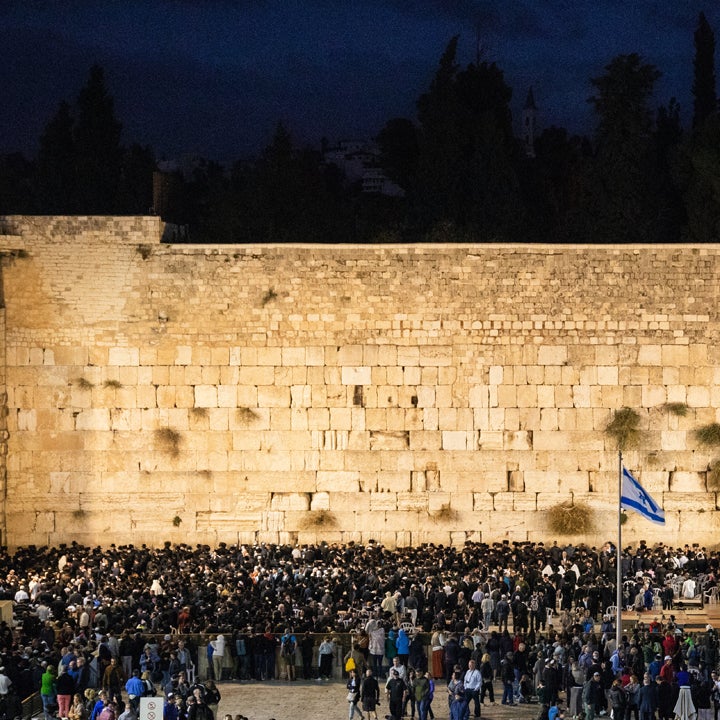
(213, 77)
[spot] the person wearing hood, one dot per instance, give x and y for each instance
(402, 643)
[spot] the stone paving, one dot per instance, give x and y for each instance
(302, 700)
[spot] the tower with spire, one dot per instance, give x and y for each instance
(529, 117)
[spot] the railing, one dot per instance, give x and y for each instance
(31, 706)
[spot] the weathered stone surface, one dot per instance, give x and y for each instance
(482, 407)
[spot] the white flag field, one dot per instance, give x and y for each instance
(634, 497)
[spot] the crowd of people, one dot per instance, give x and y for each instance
(129, 621)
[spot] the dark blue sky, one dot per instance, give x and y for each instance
(213, 77)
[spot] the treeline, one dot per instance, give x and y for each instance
(640, 177)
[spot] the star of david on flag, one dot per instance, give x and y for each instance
(634, 497)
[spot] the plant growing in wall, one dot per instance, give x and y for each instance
(678, 409)
(199, 412)
(145, 251)
(444, 513)
(567, 518)
(176, 521)
(113, 384)
(246, 415)
(168, 440)
(624, 428)
(708, 435)
(318, 519)
(83, 383)
(268, 297)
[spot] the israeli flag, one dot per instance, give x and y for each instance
(635, 497)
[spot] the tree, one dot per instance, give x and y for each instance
(135, 185)
(97, 145)
(624, 175)
(398, 141)
(56, 179)
(697, 171)
(703, 88)
(16, 184)
(466, 173)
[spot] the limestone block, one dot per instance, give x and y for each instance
(698, 397)
(395, 482)
(123, 356)
(612, 397)
(359, 375)
(408, 355)
(79, 397)
(340, 419)
(490, 480)
(687, 482)
(675, 355)
(546, 500)
(607, 375)
(385, 440)
(673, 440)
(412, 502)
(383, 501)
(411, 375)
(425, 440)
(338, 481)
(524, 502)
(454, 440)
(491, 440)
(269, 356)
(376, 521)
(519, 440)
(686, 500)
(650, 355)
(206, 396)
(552, 355)
(444, 396)
(557, 441)
(479, 396)
(293, 356)
(503, 502)
(271, 396)
(506, 525)
(350, 502)
(435, 355)
(537, 481)
(290, 501)
(564, 396)
(653, 395)
(27, 420)
(183, 355)
(93, 419)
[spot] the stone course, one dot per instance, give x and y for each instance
(296, 393)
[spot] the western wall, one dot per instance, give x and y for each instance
(297, 393)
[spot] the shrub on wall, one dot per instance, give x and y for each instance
(570, 519)
(708, 435)
(624, 428)
(444, 513)
(678, 409)
(168, 440)
(713, 476)
(246, 415)
(316, 519)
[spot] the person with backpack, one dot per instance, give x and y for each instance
(288, 646)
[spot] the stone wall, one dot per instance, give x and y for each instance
(407, 394)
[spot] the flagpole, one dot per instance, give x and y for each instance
(618, 561)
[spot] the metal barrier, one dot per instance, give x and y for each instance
(32, 706)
